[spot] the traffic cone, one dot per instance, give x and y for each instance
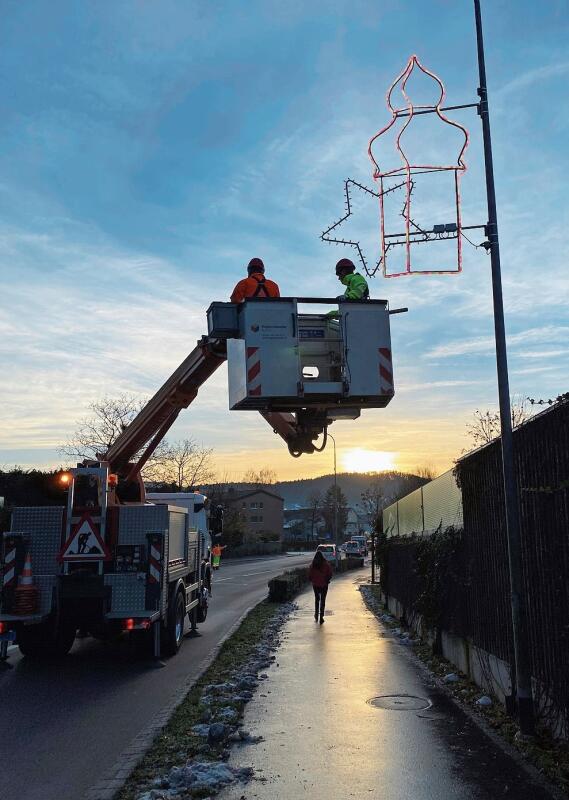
(26, 595)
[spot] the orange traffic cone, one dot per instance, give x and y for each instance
(26, 595)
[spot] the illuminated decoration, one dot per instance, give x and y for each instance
(326, 235)
(413, 172)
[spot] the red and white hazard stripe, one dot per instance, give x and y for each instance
(9, 567)
(385, 371)
(253, 372)
(155, 569)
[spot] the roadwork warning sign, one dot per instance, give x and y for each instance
(85, 542)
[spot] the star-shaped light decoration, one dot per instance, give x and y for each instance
(326, 237)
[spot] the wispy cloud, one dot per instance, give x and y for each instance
(486, 344)
(533, 76)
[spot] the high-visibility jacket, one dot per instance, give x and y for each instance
(356, 287)
(256, 285)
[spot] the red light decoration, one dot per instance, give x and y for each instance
(410, 171)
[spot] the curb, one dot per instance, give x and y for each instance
(507, 748)
(116, 777)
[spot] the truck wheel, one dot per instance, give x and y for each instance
(175, 627)
(47, 639)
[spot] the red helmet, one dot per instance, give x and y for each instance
(344, 266)
(255, 265)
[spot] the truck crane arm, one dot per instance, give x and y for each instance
(142, 436)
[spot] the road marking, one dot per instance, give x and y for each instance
(259, 572)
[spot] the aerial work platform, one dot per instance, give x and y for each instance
(280, 359)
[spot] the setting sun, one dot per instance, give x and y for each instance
(360, 460)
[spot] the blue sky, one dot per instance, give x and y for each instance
(148, 150)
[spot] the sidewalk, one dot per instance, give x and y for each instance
(324, 741)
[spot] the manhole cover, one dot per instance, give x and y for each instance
(400, 702)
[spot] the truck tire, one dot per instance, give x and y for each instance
(49, 639)
(174, 632)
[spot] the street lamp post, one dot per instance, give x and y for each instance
(522, 690)
(335, 493)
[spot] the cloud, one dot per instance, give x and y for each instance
(486, 344)
(531, 77)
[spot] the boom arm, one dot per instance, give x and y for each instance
(152, 423)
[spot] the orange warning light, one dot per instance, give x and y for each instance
(65, 478)
(128, 624)
(113, 479)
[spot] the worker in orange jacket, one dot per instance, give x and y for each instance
(216, 552)
(255, 285)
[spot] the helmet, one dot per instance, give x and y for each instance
(344, 266)
(255, 265)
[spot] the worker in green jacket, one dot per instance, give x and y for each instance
(356, 284)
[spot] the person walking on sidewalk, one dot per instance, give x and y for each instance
(320, 574)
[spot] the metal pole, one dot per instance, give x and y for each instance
(522, 689)
(335, 494)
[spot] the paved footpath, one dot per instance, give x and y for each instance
(324, 741)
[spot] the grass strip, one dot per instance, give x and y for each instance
(176, 743)
(548, 756)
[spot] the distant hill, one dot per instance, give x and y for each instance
(394, 484)
(296, 493)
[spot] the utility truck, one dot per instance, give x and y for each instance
(196, 505)
(110, 561)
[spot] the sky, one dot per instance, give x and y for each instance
(149, 150)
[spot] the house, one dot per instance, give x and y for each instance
(302, 523)
(260, 510)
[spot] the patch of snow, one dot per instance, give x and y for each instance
(452, 677)
(484, 701)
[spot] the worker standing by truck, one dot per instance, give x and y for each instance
(216, 552)
(255, 284)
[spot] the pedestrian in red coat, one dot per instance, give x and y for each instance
(320, 574)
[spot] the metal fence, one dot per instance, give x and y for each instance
(482, 593)
(436, 504)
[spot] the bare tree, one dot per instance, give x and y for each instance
(315, 504)
(426, 472)
(374, 501)
(486, 425)
(265, 476)
(97, 432)
(183, 465)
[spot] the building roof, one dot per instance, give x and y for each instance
(243, 495)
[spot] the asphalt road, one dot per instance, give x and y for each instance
(64, 724)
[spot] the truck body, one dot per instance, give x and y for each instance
(99, 568)
(196, 505)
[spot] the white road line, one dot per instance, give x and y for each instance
(259, 572)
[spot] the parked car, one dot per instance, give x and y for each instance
(354, 550)
(363, 542)
(330, 553)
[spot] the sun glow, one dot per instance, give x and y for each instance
(360, 460)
